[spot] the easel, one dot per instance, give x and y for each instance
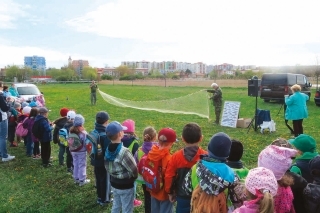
(285, 120)
(253, 122)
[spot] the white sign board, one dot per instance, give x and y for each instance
(230, 113)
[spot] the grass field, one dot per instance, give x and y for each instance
(28, 187)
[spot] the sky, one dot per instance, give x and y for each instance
(106, 32)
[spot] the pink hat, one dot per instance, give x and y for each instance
(261, 179)
(130, 124)
(277, 159)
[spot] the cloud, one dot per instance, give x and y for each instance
(10, 12)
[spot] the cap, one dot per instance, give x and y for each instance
(167, 135)
(71, 114)
(130, 124)
(26, 110)
(114, 128)
(304, 143)
(43, 110)
(102, 117)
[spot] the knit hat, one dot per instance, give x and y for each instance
(114, 128)
(130, 124)
(24, 104)
(262, 179)
(26, 110)
(71, 114)
(236, 151)
(43, 110)
(304, 143)
(282, 143)
(314, 166)
(17, 105)
(102, 117)
(219, 146)
(167, 135)
(78, 120)
(33, 104)
(277, 159)
(63, 112)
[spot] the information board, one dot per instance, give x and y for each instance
(230, 113)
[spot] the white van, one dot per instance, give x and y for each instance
(27, 91)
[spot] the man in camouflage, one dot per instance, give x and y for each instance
(216, 100)
(93, 94)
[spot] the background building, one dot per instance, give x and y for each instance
(78, 65)
(36, 63)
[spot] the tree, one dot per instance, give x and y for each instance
(20, 72)
(123, 70)
(89, 73)
(188, 73)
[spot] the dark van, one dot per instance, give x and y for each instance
(275, 86)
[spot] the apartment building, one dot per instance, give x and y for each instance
(78, 65)
(36, 63)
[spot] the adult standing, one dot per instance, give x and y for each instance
(13, 90)
(93, 87)
(296, 109)
(216, 100)
(4, 108)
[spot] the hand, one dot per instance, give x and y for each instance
(172, 198)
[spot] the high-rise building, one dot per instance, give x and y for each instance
(36, 63)
(78, 65)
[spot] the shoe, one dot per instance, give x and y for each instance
(76, 181)
(84, 182)
(102, 203)
(69, 170)
(36, 157)
(13, 144)
(9, 158)
(137, 203)
(47, 165)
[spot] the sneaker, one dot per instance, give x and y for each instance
(13, 144)
(9, 158)
(84, 182)
(47, 165)
(36, 157)
(102, 203)
(137, 203)
(76, 181)
(69, 170)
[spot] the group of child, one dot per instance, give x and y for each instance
(198, 180)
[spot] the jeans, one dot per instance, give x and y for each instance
(3, 140)
(158, 206)
(183, 205)
(102, 183)
(93, 98)
(79, 165)
(122, 200)
(30, 145)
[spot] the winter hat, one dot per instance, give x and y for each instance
(130, 124)
(71, 115)
(114, 128)
(24, 104)
(167, 135)
(78, 120)
(304, 143)
(102, 117)
(262, 179)
(33, 104)
(277, 159)
(43, 110)
(236, 151)
(17, 105)
(26, 110)
(219, 146)
(314, 166)
(63, 112)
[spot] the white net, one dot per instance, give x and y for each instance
(195, 103)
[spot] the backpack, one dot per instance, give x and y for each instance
(37, 130)
(63, 135)
(93, 144)
(151, 172)
(74, 142)
(20, 131)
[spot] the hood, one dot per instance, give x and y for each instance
(38, 117)
(60, 122)
(190, 152)
(156, 153)
(127, 140)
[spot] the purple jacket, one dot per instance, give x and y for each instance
(146, 147)
(29, 124)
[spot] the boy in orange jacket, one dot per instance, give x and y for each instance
(180, 164)
(166, 137)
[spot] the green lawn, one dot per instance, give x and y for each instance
(28, 187)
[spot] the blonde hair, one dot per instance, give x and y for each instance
(296, 88)
(266, 204)
(149, 134)
(286, 180)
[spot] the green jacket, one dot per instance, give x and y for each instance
(216, 97)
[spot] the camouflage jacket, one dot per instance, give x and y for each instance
(216, 97)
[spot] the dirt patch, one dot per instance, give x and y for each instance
(182, 83)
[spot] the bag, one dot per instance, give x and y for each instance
(93, 144)
(151, 172)
(74, 142)
(63, 135)
(36, 129)
(20, 131)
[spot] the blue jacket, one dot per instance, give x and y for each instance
(296, 106)
(45, 128)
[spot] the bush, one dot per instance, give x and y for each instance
(106, 77)
(175, 77)
(62, 78)
(127, 78)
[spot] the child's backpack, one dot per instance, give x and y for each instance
(151, 172)
(63, 135)
(20, 131)
(93, 144)
(36, 129)
(74, 142)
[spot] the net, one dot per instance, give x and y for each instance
(195, 103)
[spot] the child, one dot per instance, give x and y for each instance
(122, 167)
(212, 176)
(130, 141)
(79, 157)
(59, 124)
(101, 174)
(234, 161)
(70, 116)
(180, 164)
(278, 160)
(149, 137)
(306, 146)
(21, 116)
(45, 135)
(312, 192)
(30, 139)
(261, 186)
(12, 123)
(161, 152)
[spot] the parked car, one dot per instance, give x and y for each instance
(317, 97)
(275, 86)
(27, 91)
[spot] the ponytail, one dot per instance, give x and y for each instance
(266, 203)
